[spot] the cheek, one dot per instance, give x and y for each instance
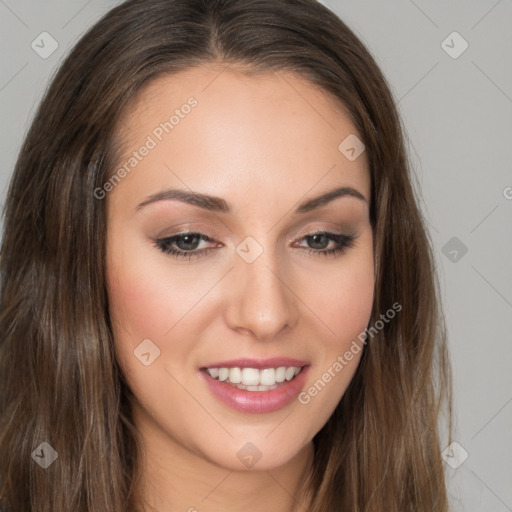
(343, 299)
(141, 305)
(146, 295)
(354, 303)
(139, 301)
(345, 312)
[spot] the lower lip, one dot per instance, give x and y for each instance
(257, 401)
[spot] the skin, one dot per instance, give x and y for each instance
(263, 143)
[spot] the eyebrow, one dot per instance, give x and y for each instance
(219, 205)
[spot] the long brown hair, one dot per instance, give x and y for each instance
(59, 380)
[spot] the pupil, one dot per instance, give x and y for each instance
(186, 245)
(315, 237)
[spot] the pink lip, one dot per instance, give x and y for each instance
(256, 401)
(260, 364)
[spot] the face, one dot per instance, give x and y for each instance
(255, 272)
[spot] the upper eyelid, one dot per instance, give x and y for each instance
(204, 234)
(334, 228)
(212, 239)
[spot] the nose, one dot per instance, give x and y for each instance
(262, 301)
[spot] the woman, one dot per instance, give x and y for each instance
(248, 370)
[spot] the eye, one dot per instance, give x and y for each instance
(342, 242)
(188, 242)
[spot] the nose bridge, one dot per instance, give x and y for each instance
(263, 302)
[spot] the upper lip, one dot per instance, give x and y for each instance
(260, 364)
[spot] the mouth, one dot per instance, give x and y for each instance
(254, 379)
(255, 390)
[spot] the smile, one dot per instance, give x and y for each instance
(252, 390)
(252, 379)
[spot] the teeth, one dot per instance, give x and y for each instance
(267, 377)
(214, 372)
(280, 374)
(235, 375)
(253, 379)
(290, 373)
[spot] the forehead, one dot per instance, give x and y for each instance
(263, 130)
(261, 99)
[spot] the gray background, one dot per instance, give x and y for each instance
(457, 114)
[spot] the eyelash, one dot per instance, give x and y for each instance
(164, 244)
